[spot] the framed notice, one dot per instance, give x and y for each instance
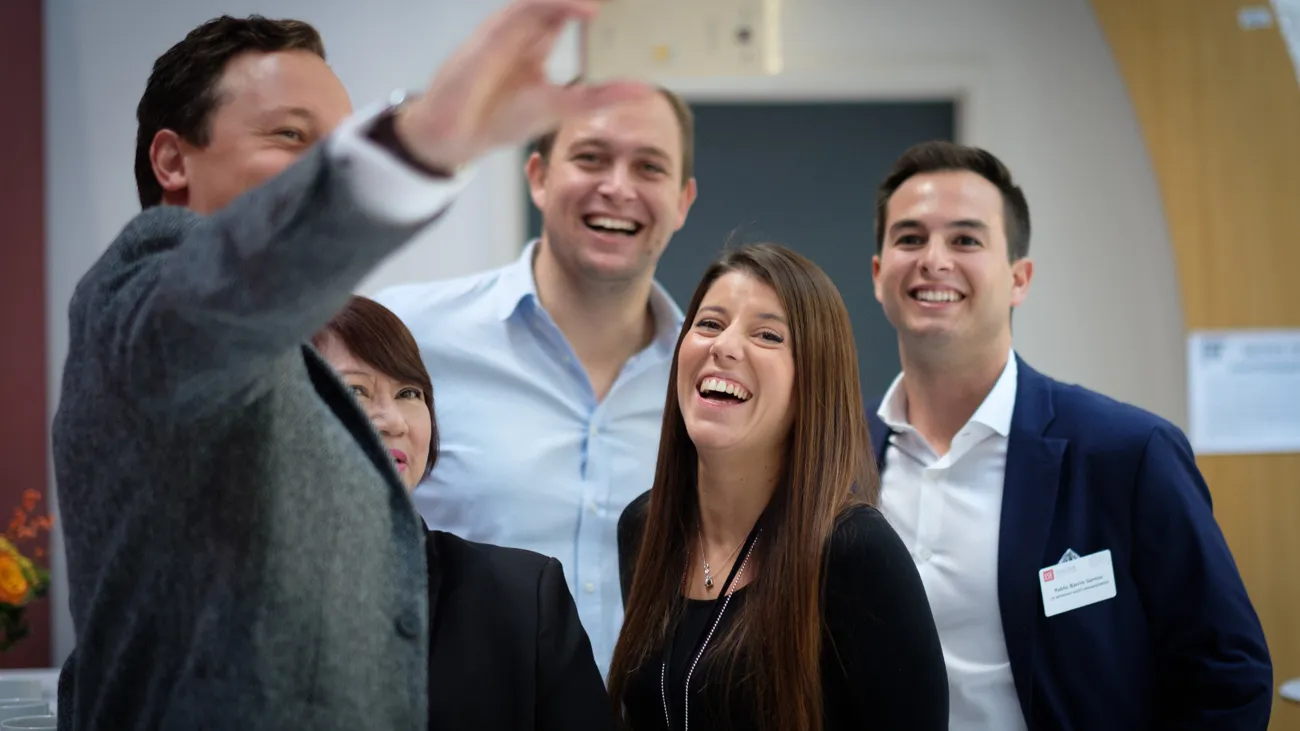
(1244, 391)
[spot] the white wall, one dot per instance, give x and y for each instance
(1039, 89)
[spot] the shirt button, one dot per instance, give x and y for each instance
(926, 555)
(408, 625)
(592, 431)
(592, 507)
(590, 587)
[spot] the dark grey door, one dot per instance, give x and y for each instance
(802, 175)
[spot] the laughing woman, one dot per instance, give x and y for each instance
(507, 651)
(763, 589)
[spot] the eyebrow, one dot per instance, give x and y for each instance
(908, 223)
(302, 113)
(762, 315)
(602, 144)
(375, 375)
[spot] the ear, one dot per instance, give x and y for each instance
(1021, 272)
(535, 170)
(166, 155)
(684, 203)
(875, 278)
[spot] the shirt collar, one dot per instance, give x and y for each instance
(1000, 404)
(518, 286)
(995, 412)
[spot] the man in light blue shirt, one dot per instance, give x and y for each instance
(550, 374)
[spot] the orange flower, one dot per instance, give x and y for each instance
(13, 583)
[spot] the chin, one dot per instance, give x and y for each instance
(928, 328)
(621, 265)
(711, 437)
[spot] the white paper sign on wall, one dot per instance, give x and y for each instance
(1288, 22)
(1244, 391)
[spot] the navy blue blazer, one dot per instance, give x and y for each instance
(1180, 645)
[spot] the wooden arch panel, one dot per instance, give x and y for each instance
(1219, 107)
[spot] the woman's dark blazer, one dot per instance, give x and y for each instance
(507, 650)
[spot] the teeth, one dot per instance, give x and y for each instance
(720, 386)
(937, 295)
(616, 224)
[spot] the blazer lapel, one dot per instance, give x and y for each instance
(431, 552)
(344, 405)
(1028, 502)
(879, 433)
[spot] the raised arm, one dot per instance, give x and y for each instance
(1214, 663)
(187, 312)
(887, 667)
(193, 322)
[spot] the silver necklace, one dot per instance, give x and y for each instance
(663, 670)
(708, 574)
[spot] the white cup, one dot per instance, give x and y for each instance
(26, 723)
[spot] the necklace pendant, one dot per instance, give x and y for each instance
(708, 580)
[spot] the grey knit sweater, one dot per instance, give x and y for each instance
(241, 553)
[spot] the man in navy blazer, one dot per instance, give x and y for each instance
(1066, 540)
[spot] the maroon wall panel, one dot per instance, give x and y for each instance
(23, 434)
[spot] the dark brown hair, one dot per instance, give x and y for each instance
(827, 470)
(376, 336)
(685, 123)
(183, 88)
(940, 156)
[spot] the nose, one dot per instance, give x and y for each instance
(617, 183)
(936, 258)
(728, 345)
(387, 419)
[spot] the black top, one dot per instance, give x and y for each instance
(506, 647)
(882, 665)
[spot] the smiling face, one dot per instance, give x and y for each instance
(272, 107)
(611, 191)
(396, 408)
(943, 275)
(735, 368)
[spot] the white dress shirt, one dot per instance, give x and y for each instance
(529, 457)
(947, 509)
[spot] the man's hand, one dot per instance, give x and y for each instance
(493, 91)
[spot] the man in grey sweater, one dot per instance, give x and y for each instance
(241, 552)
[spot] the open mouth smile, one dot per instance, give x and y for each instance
(722, 391)
(612, 225)
(935, 296)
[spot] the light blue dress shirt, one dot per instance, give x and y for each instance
(529, 458)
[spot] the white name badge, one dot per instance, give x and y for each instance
(1077, 583)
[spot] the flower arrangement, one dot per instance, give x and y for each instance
(21, 580)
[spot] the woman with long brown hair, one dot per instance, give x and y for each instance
(763, 588)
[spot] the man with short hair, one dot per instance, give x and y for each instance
(550, 373)
(1076, 572)
(241, 551)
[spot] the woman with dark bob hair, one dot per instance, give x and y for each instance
(763, 588)
(506, 647)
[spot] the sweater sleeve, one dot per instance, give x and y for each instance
(188, 311)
